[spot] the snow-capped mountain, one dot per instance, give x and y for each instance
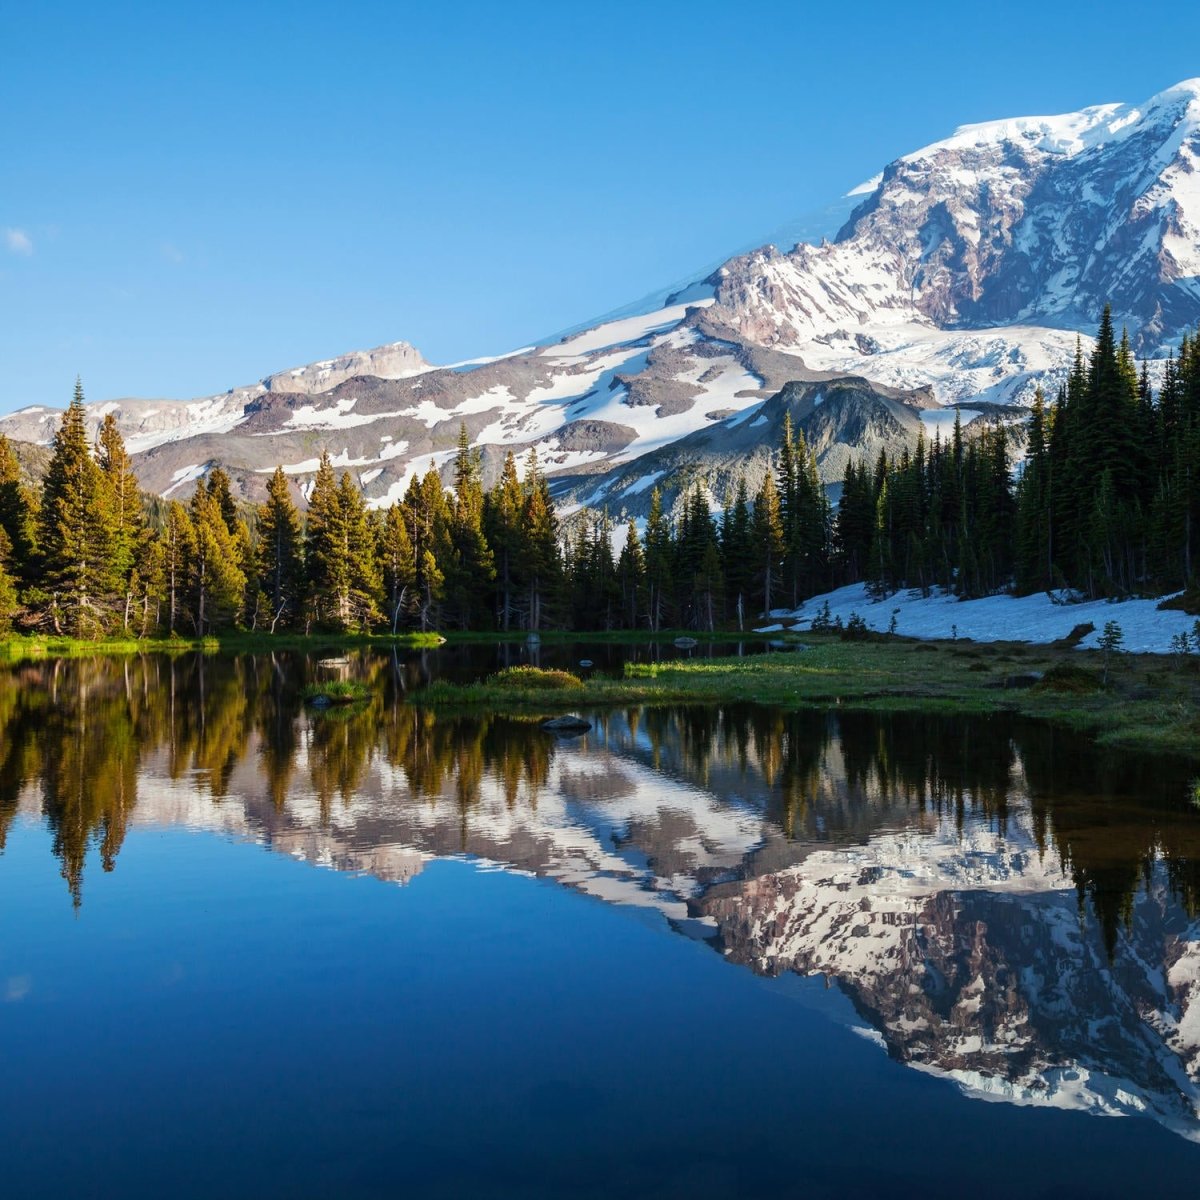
(962, 277)
(1012, 230)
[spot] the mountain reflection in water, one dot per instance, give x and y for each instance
(1002, 903)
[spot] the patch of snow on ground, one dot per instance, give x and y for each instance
(629, 329)
(640, 485)
(185, 475)
(1035, 618)
(416, 468)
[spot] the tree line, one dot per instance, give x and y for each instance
(88, 554)
(1106, 501)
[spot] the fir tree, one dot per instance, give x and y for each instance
(279, 557)
(540, 551)
(769, 537)
(631, 572)
(216, 581)
(470, 569)
(398, 563)
(124, 500)
(659, 556)
(18, 518)
(8, 588)
(364, 582)
(75, 534)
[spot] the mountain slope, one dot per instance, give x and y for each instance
(963, 276)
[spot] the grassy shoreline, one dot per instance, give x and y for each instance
(1151, 702)
(24, 646)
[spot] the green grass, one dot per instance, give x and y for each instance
(533, 679)
(337, 691)
(17, 647)
(1151, 702)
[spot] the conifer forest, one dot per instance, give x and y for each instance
(1102, 498)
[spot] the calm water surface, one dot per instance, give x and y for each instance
(248, 950)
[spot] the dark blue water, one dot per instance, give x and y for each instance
(247, 950)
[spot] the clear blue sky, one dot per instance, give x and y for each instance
(192, 196)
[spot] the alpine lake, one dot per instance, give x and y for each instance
(253, 948)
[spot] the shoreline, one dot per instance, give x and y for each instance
(1150, 702)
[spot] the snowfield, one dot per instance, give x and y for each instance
(1037, 618)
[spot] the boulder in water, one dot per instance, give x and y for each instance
(569, 724)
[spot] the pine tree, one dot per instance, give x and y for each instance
(769, 539)
(505, 534)
(220, 488)
(76, 531)
(8, 588)
(659, 557)
(129, 532)
(177, 541)
(540, 554)
(631, 572)
(398, 563)
(216, 581)
(18, 518)
(470, 569)
(364, 582)
(324, 557)
(427, 517)
(279, 557)
(738, 558)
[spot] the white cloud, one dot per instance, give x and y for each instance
(171, 253)
(16, 988)
(18, 242)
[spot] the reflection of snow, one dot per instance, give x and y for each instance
(958, 938)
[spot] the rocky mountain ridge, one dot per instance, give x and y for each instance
(963, 277)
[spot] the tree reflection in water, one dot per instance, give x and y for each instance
(1002, 901)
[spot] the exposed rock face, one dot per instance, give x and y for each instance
(961, 278)
(842, 417)
(398, 360)
(1027, 222)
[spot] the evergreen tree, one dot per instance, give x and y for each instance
(540, 551)
(280, 554)
(470, 569)
(177, 542)
(216, 581)
(325, 559)
(8, 587)
(659, 558)
(18, 518)
(398, 563)
(631, 573)
(770, 538)
(505, 533)
(364, 582)
(75, 533)
(738, 556)
(124, 501)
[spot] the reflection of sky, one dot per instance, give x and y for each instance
(621, 817)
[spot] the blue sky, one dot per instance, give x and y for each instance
(192, 196)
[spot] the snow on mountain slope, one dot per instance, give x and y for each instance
(1034, 221)
(962, 276)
